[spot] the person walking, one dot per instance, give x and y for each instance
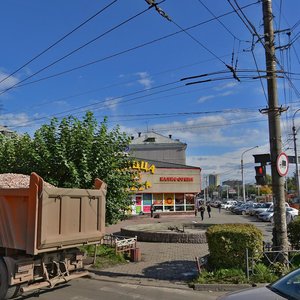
(202, 210)
(152, 210)
(219, 207)
(208, 207)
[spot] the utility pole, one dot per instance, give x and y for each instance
(280, 233)
(296, 153)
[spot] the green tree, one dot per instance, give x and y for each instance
(72, 153)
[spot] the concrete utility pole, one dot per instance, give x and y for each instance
(274, 112)
(296, 153)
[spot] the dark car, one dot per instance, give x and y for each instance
(287, 287)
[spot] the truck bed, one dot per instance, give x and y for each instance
(42, 219)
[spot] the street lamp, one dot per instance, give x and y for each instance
(242, 168)
(296, 154)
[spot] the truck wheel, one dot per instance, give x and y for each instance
(3, 280)
(6, 291)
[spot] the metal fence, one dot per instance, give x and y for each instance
(270, 257)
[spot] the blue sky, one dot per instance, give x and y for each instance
(128, 61)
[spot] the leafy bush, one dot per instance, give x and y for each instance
(227, 244)
(223, 276)
(262, 273)
(293, 230)
(106, 256)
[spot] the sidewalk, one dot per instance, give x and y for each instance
(169, 262)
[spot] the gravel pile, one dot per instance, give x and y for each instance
(15, 181)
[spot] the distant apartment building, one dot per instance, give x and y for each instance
(5, 131)
(214, 180)
(167, 182)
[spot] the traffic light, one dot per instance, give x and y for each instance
(260, 175)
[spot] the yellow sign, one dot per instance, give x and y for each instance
(143, 166)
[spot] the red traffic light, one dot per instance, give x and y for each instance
(259, 171)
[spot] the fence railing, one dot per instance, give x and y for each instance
(270, 258)
(120, 243)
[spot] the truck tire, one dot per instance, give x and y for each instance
(3, 280)
(6, 291)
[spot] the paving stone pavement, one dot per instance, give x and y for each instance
(172, 262)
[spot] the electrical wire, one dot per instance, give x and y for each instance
(17, 85)
(76, 50)
(58, 41)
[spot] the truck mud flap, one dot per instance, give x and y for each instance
(53, 282)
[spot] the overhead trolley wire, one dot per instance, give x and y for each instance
(76, 50)
(17, 85)
(58, 41)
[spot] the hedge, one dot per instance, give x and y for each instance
(227, 244)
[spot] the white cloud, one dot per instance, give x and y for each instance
(12, 120)
(111, 103)
(7, 83)
(218, 95)
(145, 79)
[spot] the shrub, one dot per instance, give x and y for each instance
(223, 276)
(227, 244)
(293, 230)
(262, 273)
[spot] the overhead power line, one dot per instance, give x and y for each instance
(17, 85)
(58, 41)
(75, 50)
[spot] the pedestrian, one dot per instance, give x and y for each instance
(208, 207)
(219, 207)
(202, 210)
(152, 210)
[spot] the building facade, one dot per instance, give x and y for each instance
(166, 183)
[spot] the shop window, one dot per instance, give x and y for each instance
(158, 208)
(168, 199)
(190, 207)
(147, 197)
(158, 199)
(189, 199)
(179, 208)
(146, 209)
(138, 201)
(179, 198)
(147, 202)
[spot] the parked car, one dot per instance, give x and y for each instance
(264, 207)
(287, 287)
(251, 207)
(268, 215)
(228, 204)
(241, 210)
(252, 210)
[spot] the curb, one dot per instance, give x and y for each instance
(225, 287)
(138, 281)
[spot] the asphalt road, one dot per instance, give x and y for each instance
(90, 289)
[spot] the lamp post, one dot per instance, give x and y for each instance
(296, 153)
(242, 169)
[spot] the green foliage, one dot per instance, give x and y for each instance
(227, 244)
(72, 153)
(293, 230)
(262, 273)
(223, 276)
(106, 256)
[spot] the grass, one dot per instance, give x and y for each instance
(106, 256)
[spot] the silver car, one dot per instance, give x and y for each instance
(287, 287)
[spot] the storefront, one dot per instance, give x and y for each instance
(168, 187)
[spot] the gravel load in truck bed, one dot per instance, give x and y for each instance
(15, 181)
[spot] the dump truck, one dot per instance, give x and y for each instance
(41, 230)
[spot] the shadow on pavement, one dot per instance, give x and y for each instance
(178, 270)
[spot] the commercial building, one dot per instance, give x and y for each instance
(167, 182)
(214, 180)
